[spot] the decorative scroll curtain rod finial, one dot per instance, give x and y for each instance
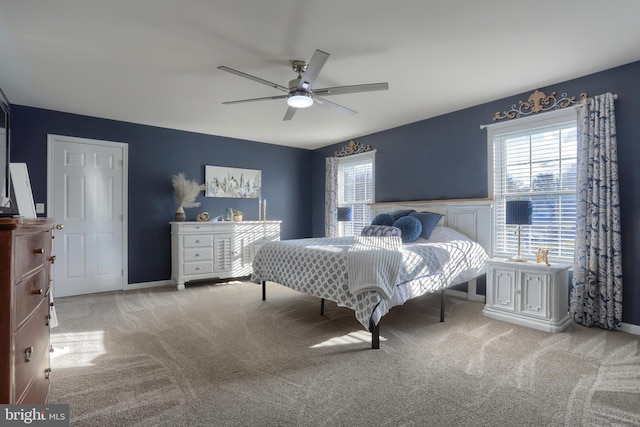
(539, 102)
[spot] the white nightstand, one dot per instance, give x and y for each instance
(528, 294)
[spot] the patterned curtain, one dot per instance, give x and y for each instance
(596, 296)
(331, 198)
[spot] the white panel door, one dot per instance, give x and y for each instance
(87, 201)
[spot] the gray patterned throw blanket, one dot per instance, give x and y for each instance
(321, 267)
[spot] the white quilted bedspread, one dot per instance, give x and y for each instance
(320, 267)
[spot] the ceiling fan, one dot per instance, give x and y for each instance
(300, 93)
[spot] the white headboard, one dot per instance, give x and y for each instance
(470, 216)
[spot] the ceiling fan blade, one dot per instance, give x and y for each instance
(314, 67)
(339, 90)
(254, 78)
(289, 114)
(333, 106)
(266, 98)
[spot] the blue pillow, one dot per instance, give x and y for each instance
(383, 219)
(410, 228)
(396, 215)
(380, 231)
(428, 221)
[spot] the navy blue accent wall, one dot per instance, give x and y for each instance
(154, 155)
(446, 158)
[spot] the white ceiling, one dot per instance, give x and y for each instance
(155, 61)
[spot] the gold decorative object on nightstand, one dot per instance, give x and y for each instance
(543, 256)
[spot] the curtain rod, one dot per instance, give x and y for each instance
(615, 98)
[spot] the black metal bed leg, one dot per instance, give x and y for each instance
(442, 306)
(321, 306)
(375, 337)
(264, 290)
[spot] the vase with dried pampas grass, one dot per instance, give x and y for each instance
(185, 192)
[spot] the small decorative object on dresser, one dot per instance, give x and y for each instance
(533, 295)
(221, 249)
(25, 261)
(202, 217)
(185, 192)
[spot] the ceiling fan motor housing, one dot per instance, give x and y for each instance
(300, 93)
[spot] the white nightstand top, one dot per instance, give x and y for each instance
(528, 264)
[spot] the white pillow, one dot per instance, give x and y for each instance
(441, 233)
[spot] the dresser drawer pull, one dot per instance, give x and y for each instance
(198, 241)
(38, 251)
(52, 259)
(47, 319)
(37, 292)
(47, 373)
(27, 354)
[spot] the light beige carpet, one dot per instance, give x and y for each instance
(217, 355)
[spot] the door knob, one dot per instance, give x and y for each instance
(60, 226)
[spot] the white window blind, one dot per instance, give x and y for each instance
(536, 161)
(356, 189)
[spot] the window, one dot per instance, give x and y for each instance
(356, 189)
(535, 159)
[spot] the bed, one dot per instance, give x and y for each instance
(370, 275)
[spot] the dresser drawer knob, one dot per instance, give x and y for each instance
(52, 259)
(37, 292)
(27, 354)
(47, 373)
(38, 251)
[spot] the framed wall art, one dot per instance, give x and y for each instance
(232, 182)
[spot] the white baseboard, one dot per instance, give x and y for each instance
(630, 329)
(144, 285)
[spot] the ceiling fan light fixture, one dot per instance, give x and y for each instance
(299, 99)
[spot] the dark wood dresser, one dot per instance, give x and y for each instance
(25, 261)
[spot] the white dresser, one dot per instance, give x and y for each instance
(528, 294)
(204, 250)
